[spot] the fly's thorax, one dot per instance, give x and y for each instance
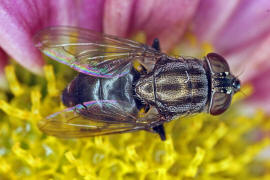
(175, 86)
(144, 88)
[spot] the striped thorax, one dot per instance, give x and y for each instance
(176, 87)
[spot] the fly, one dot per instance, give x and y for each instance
(112, 95)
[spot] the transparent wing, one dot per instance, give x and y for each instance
(94, 118)
(91, 52)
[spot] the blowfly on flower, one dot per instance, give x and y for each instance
(113, 94)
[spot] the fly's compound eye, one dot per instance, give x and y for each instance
(220, 102)
(217, 63)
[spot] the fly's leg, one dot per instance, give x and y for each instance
(149, 62)
(160, 130)
(155, 44)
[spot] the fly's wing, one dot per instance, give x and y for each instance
(94, 118)
(91, 52)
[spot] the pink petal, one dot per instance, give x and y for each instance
(261, 96)
(16, 34)
(117, 16)
(83, 13)
(257, 72)
(256, 60)
(248, 24)
(210, 18)
(166, 20)
(232, 26)
(20, 20)
(3, 63)
(90, 14)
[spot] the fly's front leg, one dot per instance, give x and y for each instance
(149, 61)
(160, 130)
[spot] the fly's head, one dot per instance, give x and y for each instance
(223, 84)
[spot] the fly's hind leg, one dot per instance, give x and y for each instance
(156, 44)
(160, 130)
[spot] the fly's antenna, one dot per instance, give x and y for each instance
(241, 72)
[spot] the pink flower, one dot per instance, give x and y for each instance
(239, 30)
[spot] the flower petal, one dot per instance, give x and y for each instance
(166, 20)
(16, 34)
(255, 61)
(117, 15)
(90, 14)
(248, 24)
(83, 13)
(20, 20)
(256, 71)
(210, 18)
(261, 96)
(3, 63)
(232, 26)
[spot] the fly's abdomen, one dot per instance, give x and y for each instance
(85, 88)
